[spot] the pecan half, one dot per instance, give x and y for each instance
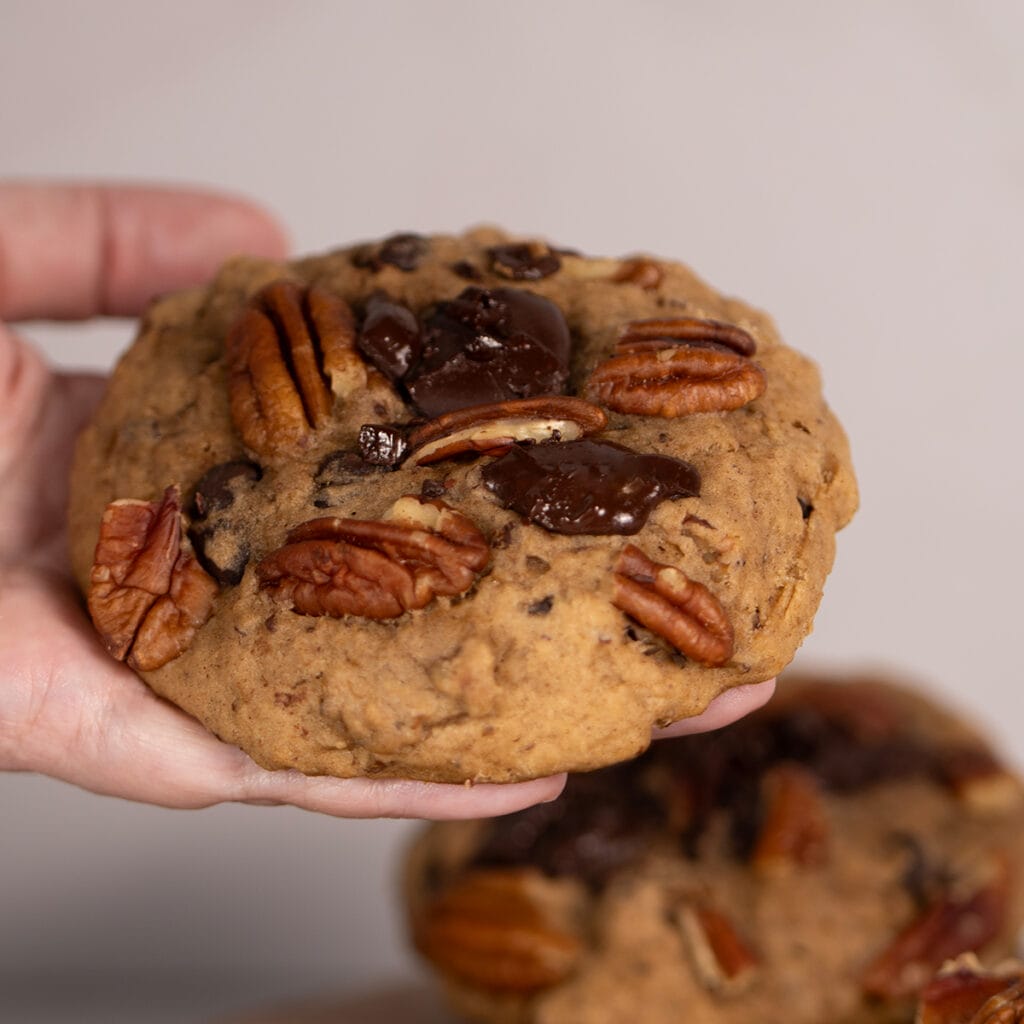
(147, 596)
(639, 270)
(678, 609)
(657, 377)
(794, 830)
(1005, 1007)
(488, 931)
(684, 329)
(950, 926)
(491, 429)
(289, 353)
(723, 960)
(378, 569)
(963, 992)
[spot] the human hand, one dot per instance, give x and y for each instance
(66, 708)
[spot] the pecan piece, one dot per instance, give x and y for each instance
(288, 354)
(685, 330)
(1005, 1007)
(654, 376)
(378, 569)
(678, 609)
(951, 925)
(488, 931)
(794, 831)
(491, 429)
(147, 596)
(963, 992)
(723, 960)
(979, 780)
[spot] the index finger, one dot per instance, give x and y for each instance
(74, 251)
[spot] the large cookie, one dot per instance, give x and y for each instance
(816, 862)
(456, 508)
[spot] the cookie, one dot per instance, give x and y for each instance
(455, 508)
(817, 861)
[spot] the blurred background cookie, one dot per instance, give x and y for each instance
(819, 860)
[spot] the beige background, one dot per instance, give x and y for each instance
(855, 168)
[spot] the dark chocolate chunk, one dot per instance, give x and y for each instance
(219, 487)
(592, 487)
(806, 508)
(221, 551)
(403, 251)
(390, 336)
(490, 346)
(336, 471)
(524, 261)
(541, 607)
(382, 444)
(467, 271)
(602, 822)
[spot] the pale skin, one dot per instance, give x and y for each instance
(68, 710)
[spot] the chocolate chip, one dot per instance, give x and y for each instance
(343, 467)
(526, 261)
(390, 336)
(336, 472)
(806, 508)
(403, 251)
(489, 346)
(602, 822)
(219, 487)
(432, 489)
(541, 607)
(221, 551)
(467, 271)
(587, 487)
(382, 444)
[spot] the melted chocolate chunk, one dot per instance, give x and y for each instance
(382, 444)
(603, 821)
(524, 261)
(390, 337)
(806, 508)
(541, 607)
(403, 251)
(606, 819)
(218, 487)
(221, 551)
(593, 487)
(489, 346)
(216, 535)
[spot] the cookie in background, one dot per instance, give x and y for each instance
(818, 861)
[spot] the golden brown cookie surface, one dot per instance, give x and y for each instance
(818, 861)
(456, 508)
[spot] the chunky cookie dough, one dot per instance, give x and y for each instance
(456, 508)
(818, 861)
